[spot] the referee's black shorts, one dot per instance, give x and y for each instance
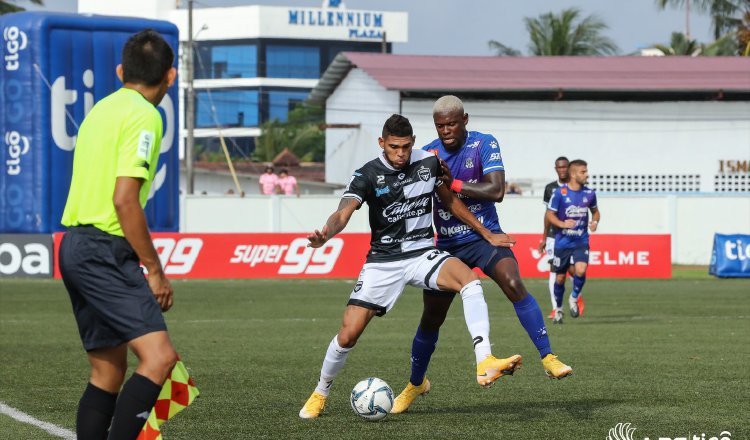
(111, 299)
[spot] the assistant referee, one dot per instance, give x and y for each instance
(114, 305)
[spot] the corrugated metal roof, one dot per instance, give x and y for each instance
(537, 74)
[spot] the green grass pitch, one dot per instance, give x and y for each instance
(667, 356)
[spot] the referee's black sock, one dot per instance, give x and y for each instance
(136, 400)
(95, 410)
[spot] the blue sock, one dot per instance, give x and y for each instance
(421, 351)
(531, 318)
(559, 292)
(578, 283)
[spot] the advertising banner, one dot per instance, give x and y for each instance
(26, 255)
(287, 256)
(730, 257)
(54, 68)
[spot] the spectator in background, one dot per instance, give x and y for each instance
(267, 182)
(513, 188)
(287, 184)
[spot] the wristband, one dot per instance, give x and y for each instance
(456, 185)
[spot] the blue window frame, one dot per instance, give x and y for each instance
(292, 61)
(234, 108)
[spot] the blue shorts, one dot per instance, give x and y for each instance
(479, 253)
(564, 258)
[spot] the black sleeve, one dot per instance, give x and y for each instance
(548, 190)
(438, 172)
(358, 187)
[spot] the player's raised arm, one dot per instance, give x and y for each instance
(335, 223)
(458, 209)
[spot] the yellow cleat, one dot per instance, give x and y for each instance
(314, 406)
(405, 399)
(554, 368)
(492, 369)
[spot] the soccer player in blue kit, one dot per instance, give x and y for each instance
(568, 210)
(474, 169)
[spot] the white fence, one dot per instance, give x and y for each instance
(690, 219)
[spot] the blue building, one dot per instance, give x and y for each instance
(253, 64)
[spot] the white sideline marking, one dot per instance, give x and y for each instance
(21, 416)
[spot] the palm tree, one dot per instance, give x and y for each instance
(726, 15)
(8, 7)
(681, 45)
(563, 34)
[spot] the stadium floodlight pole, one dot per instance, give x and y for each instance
(189, 104)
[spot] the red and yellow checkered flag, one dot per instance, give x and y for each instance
(178, 392)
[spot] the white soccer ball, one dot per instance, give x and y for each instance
(372, 399)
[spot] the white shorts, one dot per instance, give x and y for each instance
(380, 284)
(549, 248)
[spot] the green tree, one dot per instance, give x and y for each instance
(301, 133)
(563, 34)
(726, 15)
(8, 7)
(681, 45)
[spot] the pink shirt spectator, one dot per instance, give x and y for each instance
(287, 184)
(268, 183)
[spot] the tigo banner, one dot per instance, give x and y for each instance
(730, 256)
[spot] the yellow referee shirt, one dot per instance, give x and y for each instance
(121, 136)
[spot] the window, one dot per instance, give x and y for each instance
(648, 183)
(732, 182)
(280, 103)
(226, 61)
(292, 62)
(234, 108)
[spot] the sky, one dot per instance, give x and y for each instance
(463, 27)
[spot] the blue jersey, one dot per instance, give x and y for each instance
(569, 204)
(478, 156)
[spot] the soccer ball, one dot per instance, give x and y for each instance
(372, 399)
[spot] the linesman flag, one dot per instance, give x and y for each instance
(178, 392)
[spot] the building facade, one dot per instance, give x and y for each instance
(253, 64)
(653, 125)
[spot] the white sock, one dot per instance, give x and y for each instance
(332, 364)
(552, 277)
(477, 318)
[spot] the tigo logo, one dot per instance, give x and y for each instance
(15, 41)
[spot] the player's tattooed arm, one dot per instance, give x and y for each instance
(492, 186)
(461, 212)
(335, 223)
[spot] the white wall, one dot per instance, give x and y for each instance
(614, 138)
(357, 100)
(692, 220)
